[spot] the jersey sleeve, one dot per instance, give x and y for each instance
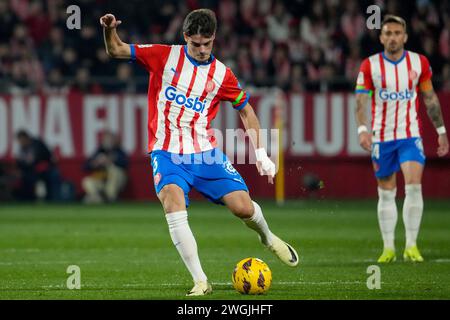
(364, 82)
(426, 69)
(231, 91)
(151, 56)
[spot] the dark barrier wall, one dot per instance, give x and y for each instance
(319, 140)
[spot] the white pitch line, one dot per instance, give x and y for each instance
(155, 285)
(10, 263)
(21, 250)
(441, 260)
(229, 283)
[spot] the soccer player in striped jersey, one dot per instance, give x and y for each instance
(391, 80)
(185, 87)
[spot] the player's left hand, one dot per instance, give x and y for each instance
(264, 165)
(443, 145)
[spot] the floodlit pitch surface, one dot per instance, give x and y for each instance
(124, 251)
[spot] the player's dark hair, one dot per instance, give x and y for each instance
(390, 18)
(200, 21)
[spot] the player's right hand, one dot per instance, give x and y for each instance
(443, 145)
(265, 165)
(109, 21)
(365, 141)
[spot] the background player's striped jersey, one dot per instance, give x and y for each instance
(394, 86)
(184, 96)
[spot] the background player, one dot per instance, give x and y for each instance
(392, 79)
(186, 85)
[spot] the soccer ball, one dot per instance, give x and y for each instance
(252, 276)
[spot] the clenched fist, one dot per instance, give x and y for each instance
(109, 21)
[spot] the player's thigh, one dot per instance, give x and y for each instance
(412, 172)
(387, 183)
(172, 198)
(385, 162)
(216, 178)
(171, 181)
(239, 203)
(412, 160)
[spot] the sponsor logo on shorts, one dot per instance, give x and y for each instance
(157, 178)
(229, 167)
(376, 166)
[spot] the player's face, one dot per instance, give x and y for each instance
(393, 37)
(199, 47)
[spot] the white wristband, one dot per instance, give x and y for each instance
(362, 129)
(441, 130)
(260, 154)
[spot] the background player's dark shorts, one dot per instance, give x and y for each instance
(388, 156)
(209, 172)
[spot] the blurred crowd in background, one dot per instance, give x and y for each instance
(297, 45)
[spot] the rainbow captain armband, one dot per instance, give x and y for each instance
(240, 103)
(362, 89)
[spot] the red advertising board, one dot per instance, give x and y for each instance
(319, 140)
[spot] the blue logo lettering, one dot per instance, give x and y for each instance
(394, 95)
(180, 99)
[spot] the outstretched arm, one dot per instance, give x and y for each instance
(264, 165)
(115, 47)
(435, 114)
(365, 139)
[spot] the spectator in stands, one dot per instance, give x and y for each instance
(446, 78)
(107, 171)
(278, 23)
(33, 37)
(55, 83)
(38, 174)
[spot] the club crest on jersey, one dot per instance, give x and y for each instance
(412, 75)
(181, 99)
(210, 86)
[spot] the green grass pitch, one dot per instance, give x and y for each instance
(124, 251)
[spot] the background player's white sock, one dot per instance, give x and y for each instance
(387, 216)
(184, 241)
(259, 224)
(412, 212)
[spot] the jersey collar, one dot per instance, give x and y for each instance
(195, 62)
(392, 61)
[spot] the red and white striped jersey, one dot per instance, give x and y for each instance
(394, 87)
(184, 97)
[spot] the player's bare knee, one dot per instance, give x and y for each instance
(388, 183)
(172, 198)
(243, 210)
(413, 180)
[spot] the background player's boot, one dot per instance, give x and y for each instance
(284, 251)
(412, 254)
(387, 256)
(200, 288)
